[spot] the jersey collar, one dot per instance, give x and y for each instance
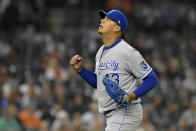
(115, 43)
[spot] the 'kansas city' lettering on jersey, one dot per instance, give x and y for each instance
(111, 64)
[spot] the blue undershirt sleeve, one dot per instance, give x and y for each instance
(149, 82)
(89, 77)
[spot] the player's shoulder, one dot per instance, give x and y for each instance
(127, 48)
(130, 53)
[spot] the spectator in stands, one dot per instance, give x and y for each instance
(61, 122)
(30, 119)
(7, 122)
(92, 120)
(188, 117)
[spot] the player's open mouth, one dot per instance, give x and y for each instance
(100, 26)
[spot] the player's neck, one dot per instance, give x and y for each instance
(108, 41)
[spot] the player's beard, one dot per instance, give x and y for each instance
(99, 32)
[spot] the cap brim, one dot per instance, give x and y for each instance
(102, 14)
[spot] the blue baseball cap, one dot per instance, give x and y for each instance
(116, 16)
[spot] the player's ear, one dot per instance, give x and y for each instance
(117, 28)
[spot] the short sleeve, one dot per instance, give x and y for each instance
(137, 65)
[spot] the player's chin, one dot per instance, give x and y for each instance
(99, 31)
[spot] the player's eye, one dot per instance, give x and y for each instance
(107, 19)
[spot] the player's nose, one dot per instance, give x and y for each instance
(102, 20)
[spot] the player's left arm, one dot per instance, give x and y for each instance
(141, 70)
(121, 97)
(149, 82)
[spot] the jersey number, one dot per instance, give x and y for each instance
(115, 77)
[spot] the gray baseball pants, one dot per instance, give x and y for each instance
(124, 119)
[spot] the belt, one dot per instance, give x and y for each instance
(107, 112)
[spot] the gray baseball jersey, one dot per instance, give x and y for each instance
(124, 65)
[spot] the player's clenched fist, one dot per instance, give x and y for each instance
(76, 63)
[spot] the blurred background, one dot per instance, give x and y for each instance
(40, 92)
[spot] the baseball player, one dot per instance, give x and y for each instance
(118, 66)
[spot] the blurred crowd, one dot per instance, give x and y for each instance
(40, 92)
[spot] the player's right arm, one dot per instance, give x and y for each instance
(76, 63)
(90, 77)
